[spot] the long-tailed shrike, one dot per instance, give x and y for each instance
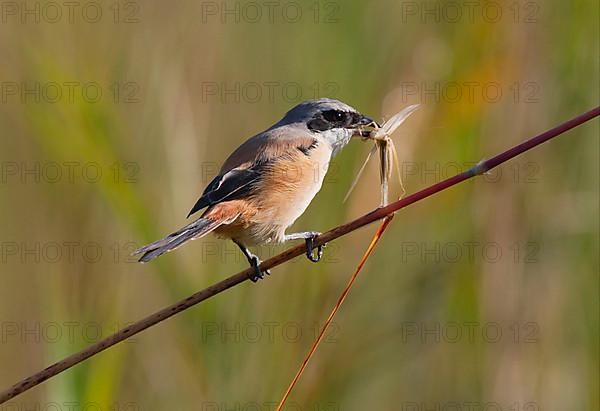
(268, 181)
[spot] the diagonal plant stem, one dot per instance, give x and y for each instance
(336, 308)
(287, 255)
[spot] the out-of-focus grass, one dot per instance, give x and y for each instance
(175, 130)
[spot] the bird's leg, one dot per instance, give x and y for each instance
(309, 237)
(254, 263)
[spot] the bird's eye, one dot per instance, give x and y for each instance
(334, 116)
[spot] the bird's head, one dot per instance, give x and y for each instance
(328, 119)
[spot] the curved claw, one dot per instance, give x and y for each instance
(258, 274)
(310, 248)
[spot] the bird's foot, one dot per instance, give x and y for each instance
(254, 262)
(258, 273)
(309, 238)
(315, 258)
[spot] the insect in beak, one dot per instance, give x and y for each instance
(364, 127)
(381, 134)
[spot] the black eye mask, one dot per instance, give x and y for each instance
(328, 119)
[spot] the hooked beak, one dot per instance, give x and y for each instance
(364, 122)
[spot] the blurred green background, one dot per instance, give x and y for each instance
(486, 293)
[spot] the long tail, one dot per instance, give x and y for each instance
(196, 229)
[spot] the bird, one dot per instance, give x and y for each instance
(269, 181)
